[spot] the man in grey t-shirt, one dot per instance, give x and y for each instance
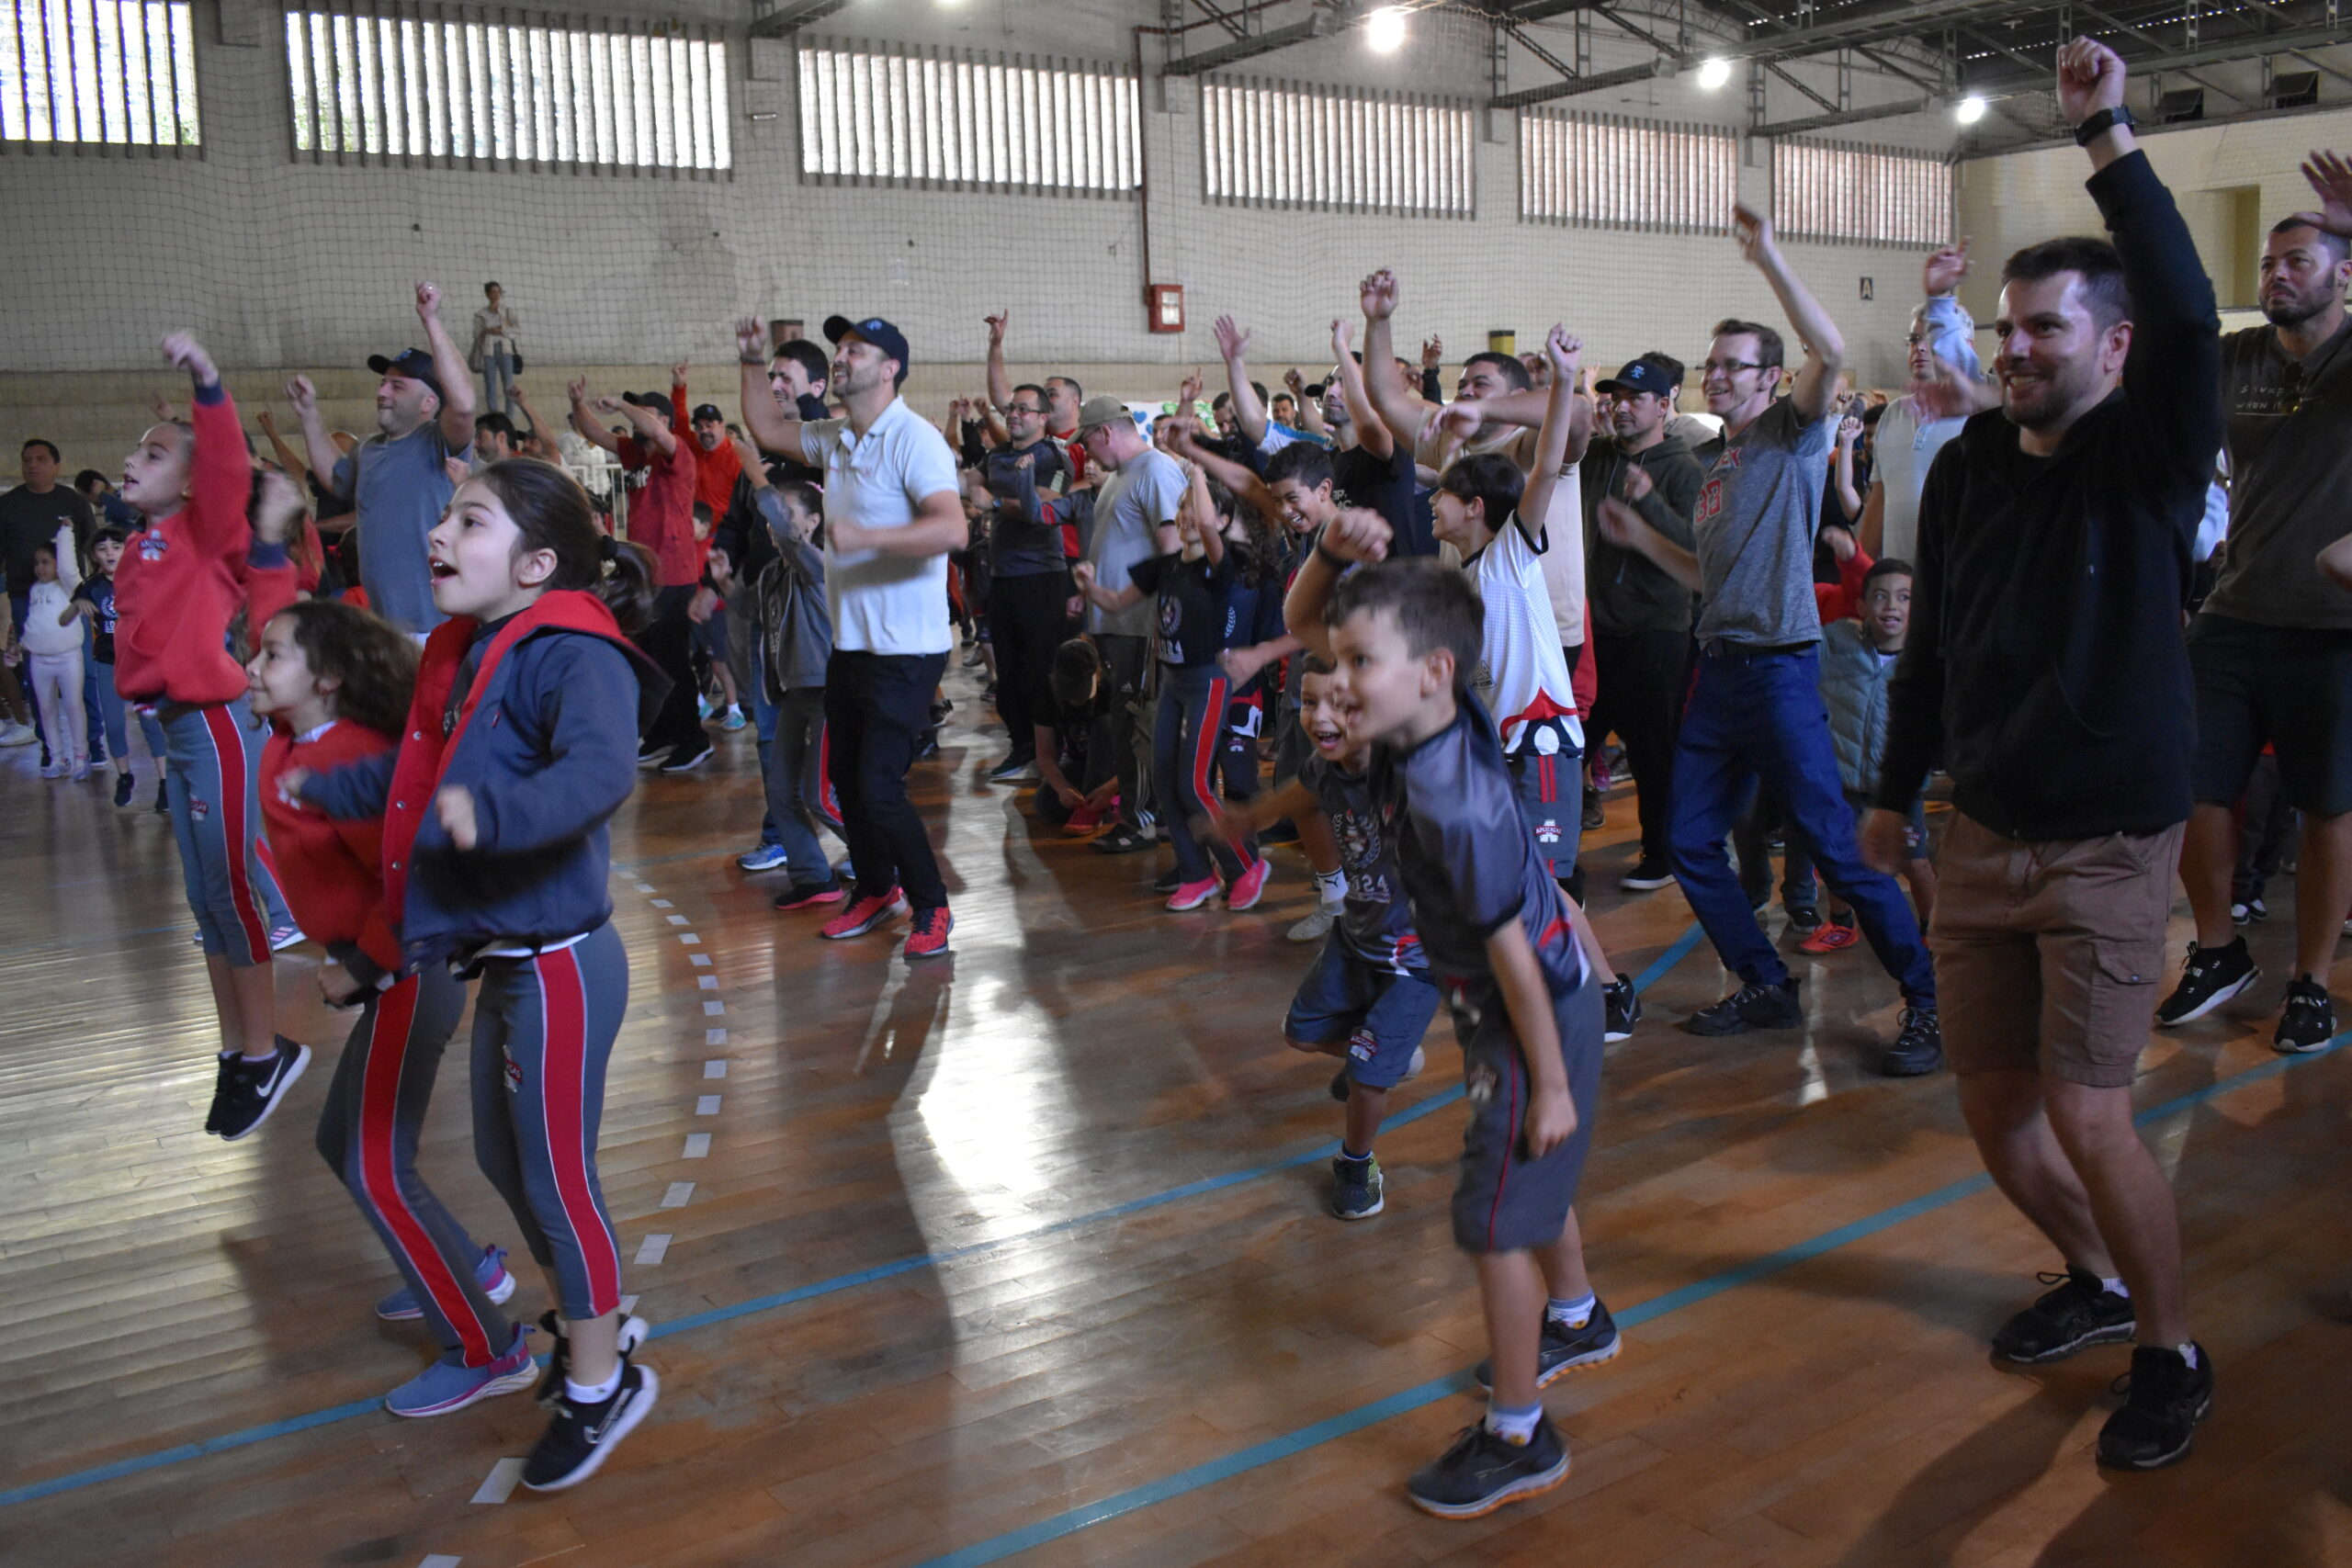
(1755, 714)
(398, 480)
(1143, 489)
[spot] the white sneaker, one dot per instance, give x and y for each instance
(52, 769)
(15, 734)
(81, 768)
(1315, 927)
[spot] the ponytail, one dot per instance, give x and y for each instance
(626, 583)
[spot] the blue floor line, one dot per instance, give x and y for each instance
(1258, 1455)
(1674, 954)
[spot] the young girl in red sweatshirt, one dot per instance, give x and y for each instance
(181, 582)
(335, 683)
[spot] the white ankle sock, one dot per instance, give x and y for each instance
(593, 1394)
(1513, 1425)
(1331, 891)
(1575, 1315)
(2189, 1354)
(2116, 1287)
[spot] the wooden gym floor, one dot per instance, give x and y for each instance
(1023, 1256)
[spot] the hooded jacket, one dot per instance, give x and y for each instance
(1626, 591)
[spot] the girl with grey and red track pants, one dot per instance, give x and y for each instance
(181, 582)
(519, 745)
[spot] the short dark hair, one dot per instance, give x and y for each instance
(1770, 352)
(1887, 566)
(1509, 364)
(1045, 399)
(1301, 460)
(703, 512)
(2335, 244)
(1673, 369)
(1072, 382)
(486, 287)
(83, 480)
(1486, 476)
(109, 533)
(809, 357)
(55, 454)
(2098, 263)
(1078, 676)
(495, 423)
(1314, 664)
(1436, 606)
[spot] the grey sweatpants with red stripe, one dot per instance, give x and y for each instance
(544, 1028)
(367, 1133)
(213, 757)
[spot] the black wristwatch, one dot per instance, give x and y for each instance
(2099, 124)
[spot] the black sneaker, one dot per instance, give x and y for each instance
(580, 1435)
(2211, 977)
(687, 758)
(1919, 1045)
(1805, 920)
(220, 1091)
(652, 756)
(1750, 1007)
(1620, 1008)
(163, 797)
(2309, 1021)
(1012, 770)
(1564, 1349)
(253, 1089)
(2256, 909)
(1168, 881)
(2081, 1312)
(939, 710)
(1594, 817)
(122, 789)
(1355, 1188)
(633, 1333)
(1648, 875)
(1123, 840)
(2163, 1399)
(1485, 1470)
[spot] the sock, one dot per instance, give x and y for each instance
(2189, 1354)
(1352, 1156)
(1572, 1314)
(593, 1394)
(1513, 1425)
(2116, 1287)
(1331, 891)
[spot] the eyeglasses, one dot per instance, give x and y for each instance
(1914, 339)
(1031, 409)
(1728, 367)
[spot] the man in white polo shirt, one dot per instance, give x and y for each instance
(892, 513)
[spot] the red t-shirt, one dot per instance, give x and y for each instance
(662, 517)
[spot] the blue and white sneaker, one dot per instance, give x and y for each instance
(767, 857)
(490, 1273)
(449, 1385)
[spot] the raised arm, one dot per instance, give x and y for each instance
(1850, 499)
(287, 459)
(1000, 379)
(223, 474)
(1398, 409)
(1310, 409)
(681, 424)
(1357, 535)
(1372, 430)
(1824, 350)
(1567, 419)
(1204, 524)
(1183, 440)
(457, 417)
(316, 442)
(538, 443)
(586, 423)
(1250, 413)
(775, 430)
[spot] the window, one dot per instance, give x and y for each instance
(460, 88)
(1336, 148)
(1825, 190)
(1603, 170)
(952, 117)
(113, 72)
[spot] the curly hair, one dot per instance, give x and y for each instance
(372, 662)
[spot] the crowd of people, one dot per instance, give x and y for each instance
(1394, 629)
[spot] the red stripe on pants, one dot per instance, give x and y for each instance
(1205, 741)
(563, 1055)
(379, 1094)
(235, 832)
(1510, 1142)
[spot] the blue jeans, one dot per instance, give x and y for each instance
(791, 751)
(105, 704)
(1756, 717)
(497, 380)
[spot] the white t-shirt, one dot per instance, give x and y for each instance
(1904, 449)
(882, 604)
(1521, 672)
(1562, 558)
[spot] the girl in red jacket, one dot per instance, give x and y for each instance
(334, 682)
(181, 582)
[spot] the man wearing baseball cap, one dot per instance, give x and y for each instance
(1641, 615)
(892, 511)
(397, 481)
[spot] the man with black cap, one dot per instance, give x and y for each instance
(1641, 615)
(397, 481)
(663, 520)
(892, 511)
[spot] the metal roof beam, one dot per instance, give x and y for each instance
(790, 16)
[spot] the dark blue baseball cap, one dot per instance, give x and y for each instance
(1642, 375)
(875, 331)
(415, 363)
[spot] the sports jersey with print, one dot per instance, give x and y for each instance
(1376, 922)
(1523, 675)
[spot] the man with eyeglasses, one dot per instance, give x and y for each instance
(1641, 614)
(1755, 713)
(2271, 650)
(1030, 584)
(1064, 396)
(1947, 386)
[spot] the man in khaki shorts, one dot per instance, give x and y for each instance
(2046, 665)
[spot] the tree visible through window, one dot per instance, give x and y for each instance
(112, 71)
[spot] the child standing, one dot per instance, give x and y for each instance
(181, 580)
(52, 639)
(1504, 943)
(518, 748)
(94, 601)
(335, 682)
(1368, 1000)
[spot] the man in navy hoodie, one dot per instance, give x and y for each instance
(2046, 663)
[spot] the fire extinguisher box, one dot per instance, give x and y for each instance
(1167, 303)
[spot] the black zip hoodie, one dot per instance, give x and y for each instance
(2046, 661)
(1626, 591)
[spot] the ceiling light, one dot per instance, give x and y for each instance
(1714, 73)
(1384, 29)
(1969, 111)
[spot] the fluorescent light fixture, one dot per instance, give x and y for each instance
(1385, 30)
(1714, 73)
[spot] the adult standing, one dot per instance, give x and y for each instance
(1941, 349)
(1140, 491)
(1755, 714)
(1064, 399)
(30, 516)
(494, 357)
(397, 481)
(1029, 580)
(2271, 650)
(2046, 663)
(892, 513)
